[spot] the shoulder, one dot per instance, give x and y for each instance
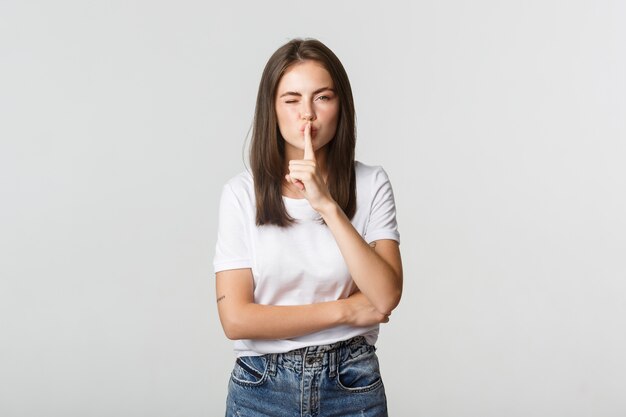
(240, 186)
(373, 185)
(370, 175)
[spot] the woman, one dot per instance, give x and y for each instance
(307, 260)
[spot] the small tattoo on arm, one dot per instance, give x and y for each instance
(221, 298)
(373, 244)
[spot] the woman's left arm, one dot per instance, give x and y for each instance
(376, 270)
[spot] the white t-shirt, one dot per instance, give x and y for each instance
(300, 264)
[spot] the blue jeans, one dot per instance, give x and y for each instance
(341, 379)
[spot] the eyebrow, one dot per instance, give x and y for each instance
(295, 93)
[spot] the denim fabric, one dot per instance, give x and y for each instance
(338, 380)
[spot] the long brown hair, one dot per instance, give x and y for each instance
(267, 148)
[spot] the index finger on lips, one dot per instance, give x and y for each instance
(309, 153)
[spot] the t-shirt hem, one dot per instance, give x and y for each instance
(260, 347)
(383, 234)
(223, 266)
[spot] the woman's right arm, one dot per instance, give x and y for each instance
(242, 318)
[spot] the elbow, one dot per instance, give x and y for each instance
(231, 333)
(233, 329)
(387, 304)
(390, 297)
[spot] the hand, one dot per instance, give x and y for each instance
(305, 174)
(361, 312)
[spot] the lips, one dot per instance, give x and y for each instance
(313, 129)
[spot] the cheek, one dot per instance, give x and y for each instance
(285, 116)
(332, 117)
(281, 119)
(329, 113)
(286, 125)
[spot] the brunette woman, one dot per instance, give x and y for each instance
(307, 258)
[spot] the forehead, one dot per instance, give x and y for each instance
(305, 76)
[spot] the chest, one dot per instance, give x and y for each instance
(302, 263)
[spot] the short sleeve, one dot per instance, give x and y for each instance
(232, 246)
(382, 220)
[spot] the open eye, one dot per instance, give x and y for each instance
(323, 98)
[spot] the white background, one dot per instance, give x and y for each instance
(500, 123)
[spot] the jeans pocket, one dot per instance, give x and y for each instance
(360, 373)
(250, 371)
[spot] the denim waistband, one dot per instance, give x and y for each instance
(318, 356)
(320, 349)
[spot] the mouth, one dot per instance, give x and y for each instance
(313, 129)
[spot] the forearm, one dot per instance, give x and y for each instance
(376, 279)
(258, 321)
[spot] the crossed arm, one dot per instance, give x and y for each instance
(242, 318)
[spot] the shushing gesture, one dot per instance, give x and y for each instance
(306, 175)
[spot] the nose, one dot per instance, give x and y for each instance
(307, 112)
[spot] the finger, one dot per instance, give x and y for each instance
(308, 143)
(294, 181)
(304, 176)
(301, 163)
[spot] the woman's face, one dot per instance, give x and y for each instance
(306, 92)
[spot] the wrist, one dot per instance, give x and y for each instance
(343, 311)
(339, 312)
(329, 209)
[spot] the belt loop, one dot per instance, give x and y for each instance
(332, 363)
(272, 364)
